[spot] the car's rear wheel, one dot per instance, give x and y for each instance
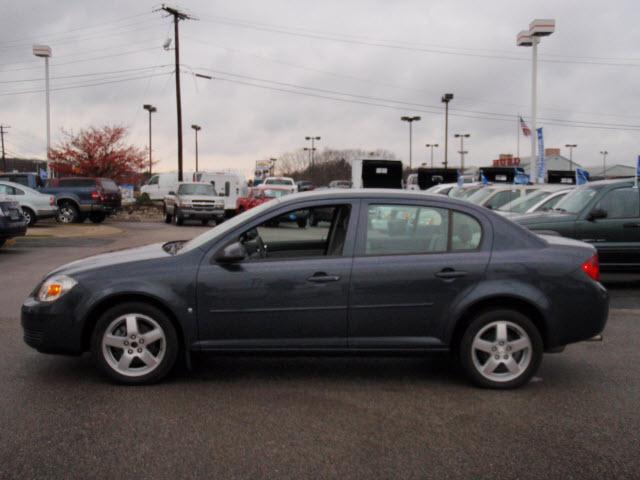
(29, 216)
(67, 213)
(500, 349)
(135, 343)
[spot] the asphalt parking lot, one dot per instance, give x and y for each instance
(311, 417)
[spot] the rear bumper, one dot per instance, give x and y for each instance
(47, 213)
(98, 207)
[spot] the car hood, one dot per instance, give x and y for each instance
(130, 255)
(543, 217)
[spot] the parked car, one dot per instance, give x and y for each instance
(194, 201)
(495, 196)
(79, 198)
(12, 222)
(604, 213)
(305, 185)
(35, 205)
(543, 199)
(259, 195)
(280, 182)
(340, 184)
(465, 191)
(28, 179)
(441, 188)
(394, 272)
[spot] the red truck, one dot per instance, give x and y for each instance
(259, 195)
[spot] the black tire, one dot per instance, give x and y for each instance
(82, 217)
(67, 213)
(97, 217)
(302, 222)
(177, 218)
(30, 216)
(171, 344)
(167, 218)
(469, 358)
(205, 222)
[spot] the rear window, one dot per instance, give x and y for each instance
(76, 182)
(108, 184)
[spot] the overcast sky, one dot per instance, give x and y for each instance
(379, 53)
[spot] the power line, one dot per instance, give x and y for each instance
(27, 80)
(378, 43)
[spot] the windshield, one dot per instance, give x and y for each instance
(225, 227)
(196, 189)
(522, 204)
(277, 181)
(273, 193)
(575, 201)
(481, 195)
(463, 192)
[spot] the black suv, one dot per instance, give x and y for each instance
(12, 222)
(605, 214)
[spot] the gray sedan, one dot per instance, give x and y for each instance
(392, 272)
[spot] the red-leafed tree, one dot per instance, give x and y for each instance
(98, 152)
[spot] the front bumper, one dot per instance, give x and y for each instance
(192, 213)
(52, 327)
(12, 228)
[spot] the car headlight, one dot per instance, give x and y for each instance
(55, 287)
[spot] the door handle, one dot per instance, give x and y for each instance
(631, 225)
(450, 273)
(321, 277)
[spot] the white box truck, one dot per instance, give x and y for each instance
(229, 184)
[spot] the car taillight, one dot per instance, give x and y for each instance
(96, 196)
(592, 267)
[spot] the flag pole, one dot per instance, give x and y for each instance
(518, 136)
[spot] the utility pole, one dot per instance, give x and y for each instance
(410, 120)
(196, 128)
(151, 109)
(177, 16)
(431, 146)
(4, 159)
(312, 149)
(446, 98)
(462, 151)
(571, 146)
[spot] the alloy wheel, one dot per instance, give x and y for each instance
(134, 345)
(501, 351)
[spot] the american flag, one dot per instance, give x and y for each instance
(526, 131)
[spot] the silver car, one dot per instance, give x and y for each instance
(545, 198)
(35, 205)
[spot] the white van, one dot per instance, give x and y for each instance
(229, 184)
(159, 185)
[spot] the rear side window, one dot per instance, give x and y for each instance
(501, 198)
(621, 203)
(410, 229)
(76, 182)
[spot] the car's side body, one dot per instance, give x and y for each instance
(374, 302)
(35, 205)
(616, 236)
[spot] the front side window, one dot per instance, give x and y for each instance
(576, 200)
(309, 232)
(405, 229)
(153, 180)
(621, 203)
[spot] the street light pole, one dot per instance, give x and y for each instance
(44, 51)
(151, 109)
(312, 149)
(531, 38)
(410, 120)
(462, 136)
(446, 98)
(571, 146)
(604, 154)
(431, 145)
(196, 128)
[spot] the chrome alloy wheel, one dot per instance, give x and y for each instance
(134, 345)
(501, 351)
(66, 214)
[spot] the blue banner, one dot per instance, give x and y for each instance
(520, 178)
(43, 174)
(541, 166)
(483, 179)
(582, 176)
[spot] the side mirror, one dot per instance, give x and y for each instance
(172, 192)
(596, 213)
(232, 253)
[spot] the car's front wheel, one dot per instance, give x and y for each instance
(501, 349)
(135, 343)
(68, 213)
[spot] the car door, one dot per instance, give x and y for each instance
(617, 236)
(413, 262)
(296, 297)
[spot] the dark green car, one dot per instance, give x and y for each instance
(605, 214)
